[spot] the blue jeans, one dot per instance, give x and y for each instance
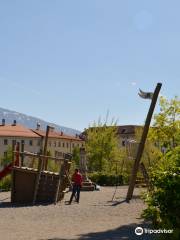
(75, 192)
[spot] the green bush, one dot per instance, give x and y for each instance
(164, 199)
(105, 179)
(53, 166)
(5, 183)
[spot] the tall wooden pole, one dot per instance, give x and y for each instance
(142, 142)
(45, 161)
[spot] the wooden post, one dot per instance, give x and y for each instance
(22, 155)
(40, 166)
(13, 149)
(12, 172)
(16, 163)
(142, 143)
(62, 171)
(45, 147)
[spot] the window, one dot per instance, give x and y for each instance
(54, 144)
(123, 143)
(82, 145)
(30, 142)
(5, 142)
(38, 142)
(123, 130)
(73, 145)
(14, 142)
(67, 145)
(59, 144)
(5, 154)
(63, 144)
(58, 154)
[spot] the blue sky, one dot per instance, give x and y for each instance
(70, 62)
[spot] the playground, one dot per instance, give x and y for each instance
(27, 214)
(95, 217)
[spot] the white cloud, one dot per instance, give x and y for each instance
(133, 83)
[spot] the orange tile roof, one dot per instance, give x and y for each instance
(53, 134)
(16, 131)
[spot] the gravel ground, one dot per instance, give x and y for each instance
(95, 217)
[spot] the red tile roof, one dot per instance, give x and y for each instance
(53, 134)
(16, 131)
(21, 131)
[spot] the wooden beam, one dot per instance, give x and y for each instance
(142, 143)
(12, 173)
(29, 154)
(38, 177)
(61, 174)
(45, 148)
(22, 155)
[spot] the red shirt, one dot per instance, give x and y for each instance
(77, 178)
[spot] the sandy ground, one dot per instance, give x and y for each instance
(95, 217)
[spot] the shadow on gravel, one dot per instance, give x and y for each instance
(135, 197)
(116, 202)
(11, 205)
(123, 232)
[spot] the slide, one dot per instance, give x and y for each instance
(6, 171)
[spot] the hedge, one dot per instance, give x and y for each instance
(104, 179)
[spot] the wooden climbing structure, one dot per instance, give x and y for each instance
(30, 186)
(36, 184)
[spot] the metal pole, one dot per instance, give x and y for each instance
(142, 143)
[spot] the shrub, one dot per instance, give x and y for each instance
(105, 179)
(5, 183)
(164, 199)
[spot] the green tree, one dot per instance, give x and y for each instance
(8, 158)
(102, 147)
(53, 165)
(164, 198)
(151, 152)
(76, 156)
(166, 127)
(75, 159)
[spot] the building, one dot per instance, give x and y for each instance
(128, 138)
(11, 134)
(59, 143)
(127, 134)
(33, 140)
